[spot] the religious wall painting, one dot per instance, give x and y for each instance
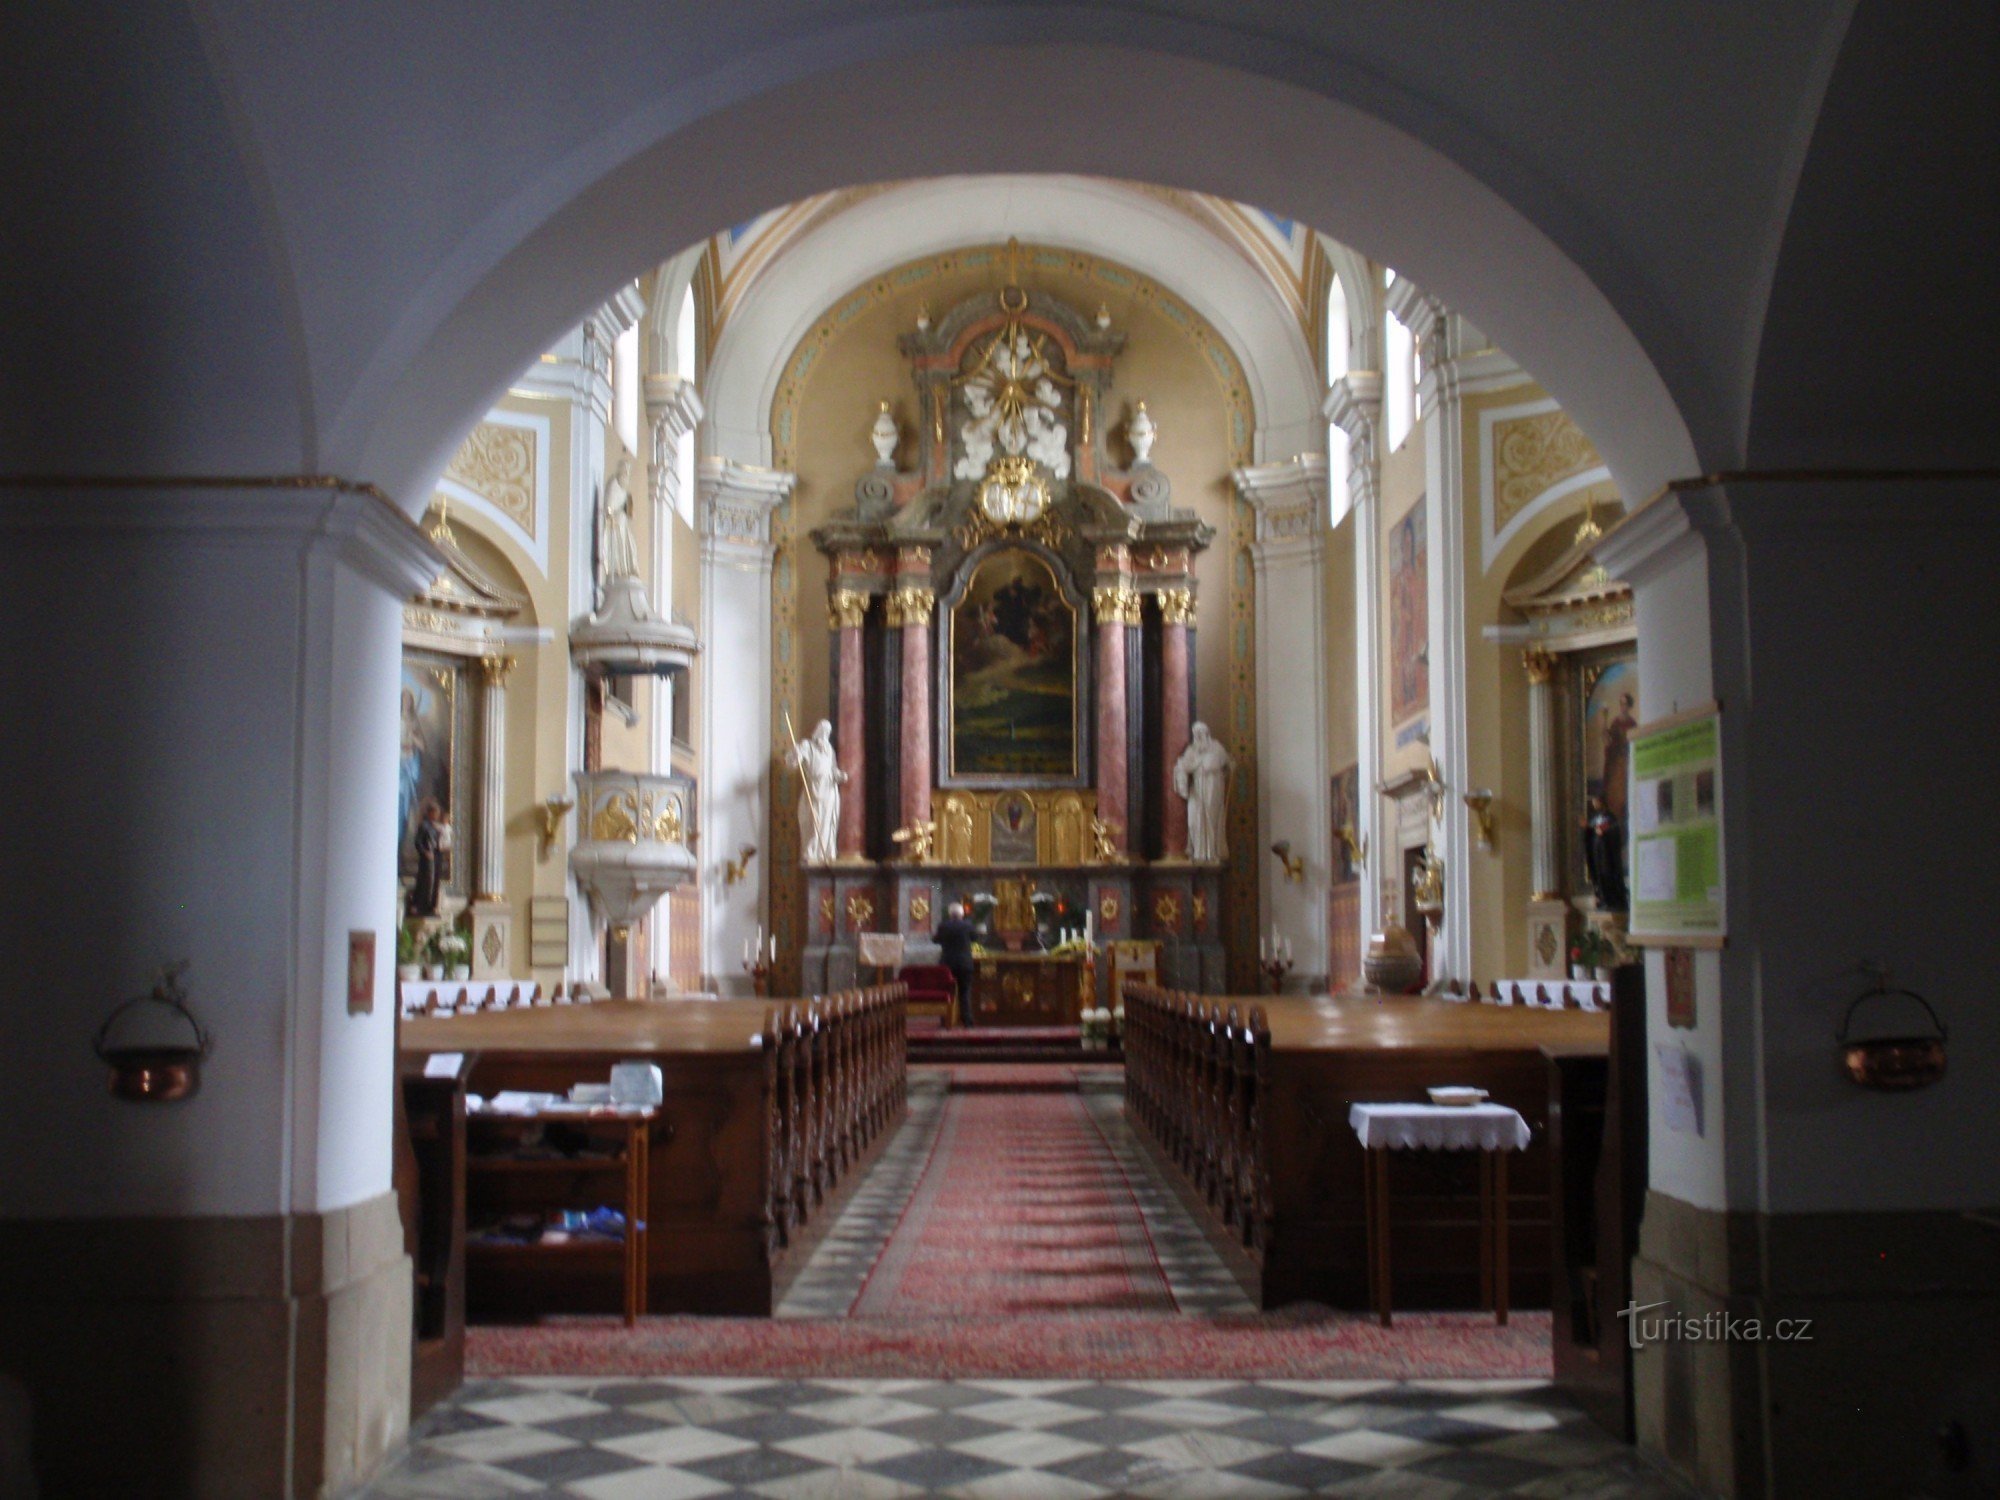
(1012, 671)
(1346, 805)
(1409, 616)
(1013, 837)
(1608, 692)
(435, 741)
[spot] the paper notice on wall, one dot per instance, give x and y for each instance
(1680, 1087)
(1658, 874)
(1646, 807)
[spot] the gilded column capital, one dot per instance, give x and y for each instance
(911, 605)
(1115, 604)
(496, 669)
(1177, 606)
(846, 609)
(1540, 664)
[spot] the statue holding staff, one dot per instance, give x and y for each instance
(820, 777)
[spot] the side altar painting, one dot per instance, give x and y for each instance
(435, 714)
(1012, 673)
(1409, 619)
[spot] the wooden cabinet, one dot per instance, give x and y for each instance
(1027, 989)
(527, 1169)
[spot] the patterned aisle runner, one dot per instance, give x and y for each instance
(1021, 1209)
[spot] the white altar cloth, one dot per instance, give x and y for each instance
(1439, 1127)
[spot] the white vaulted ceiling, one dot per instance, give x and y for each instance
(1159, 234)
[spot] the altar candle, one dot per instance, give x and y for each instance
(774, 947)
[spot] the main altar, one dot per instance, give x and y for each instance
(1011, 704)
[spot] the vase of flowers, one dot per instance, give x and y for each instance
(1590, 954)
(409, 960)
(449, 953)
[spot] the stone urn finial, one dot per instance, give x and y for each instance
(1140, 433)
(884, 436)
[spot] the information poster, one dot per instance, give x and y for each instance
(1676, 816)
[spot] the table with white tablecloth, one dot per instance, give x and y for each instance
(1492, 1130)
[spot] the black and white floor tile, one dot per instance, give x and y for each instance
(682, 1439)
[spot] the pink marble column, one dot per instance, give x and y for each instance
(1115, 606)
(912, 606)
(1176, 614)
(850, 743)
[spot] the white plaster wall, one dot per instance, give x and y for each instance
(1292, 773)
(198, 692)
(736, 757)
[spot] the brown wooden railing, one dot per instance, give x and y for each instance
(1197, 1080)
(835, 1078)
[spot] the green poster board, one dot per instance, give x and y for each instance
(1676, 831)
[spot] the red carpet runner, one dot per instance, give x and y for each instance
(1021, 1210)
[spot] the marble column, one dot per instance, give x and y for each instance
(1177, 611)
(910, 608)
(1116, 607)
(492, 882)
(846, 610)
(1544, 848)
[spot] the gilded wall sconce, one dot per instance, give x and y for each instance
(735, 869)
(1357, 848)
(1295, 865)
(552, 811)
(1480, 805)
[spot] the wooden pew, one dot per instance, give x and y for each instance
(1247, 1101)
(771, 1112)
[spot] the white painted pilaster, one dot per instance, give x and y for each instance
(1289, 558)
(733, 510)
(1355, 403)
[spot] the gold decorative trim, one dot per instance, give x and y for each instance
(846, 609)
(1177, 606)
(495, 670)
(1539, 664)
(1115, 604)
(910, 605)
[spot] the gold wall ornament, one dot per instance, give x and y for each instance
(733, 870)
(1167, 911)
(1480, 805)
(1115, 604)
(614, 820)
(1177, 606)
(1357, 848)
(846, 609)
(920, 909)
(910, 605)
(668, 825)
(1294, 865)
(1013, 493)
(1540, 664)
(1531, 454)
(919, 838)
(551, 811)
(860, 910)
(497, 462)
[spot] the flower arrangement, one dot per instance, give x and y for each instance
(448, 947)
(1592, 950)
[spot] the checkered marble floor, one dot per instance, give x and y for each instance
(831, 1281)
(1011, 1440)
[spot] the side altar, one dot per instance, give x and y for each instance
(1012, 696)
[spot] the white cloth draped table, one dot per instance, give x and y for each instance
(1439, 1127)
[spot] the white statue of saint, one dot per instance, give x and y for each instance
(621, 551)
(1201, 776)
(819, 794)
(975, 436)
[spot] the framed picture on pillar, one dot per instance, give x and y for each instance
(1346, 805)
(1011, 705)
(433, 760)
(1409, 616)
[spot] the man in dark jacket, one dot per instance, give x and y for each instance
(954, 940)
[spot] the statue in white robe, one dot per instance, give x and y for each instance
(1201, 776)
(820, 777)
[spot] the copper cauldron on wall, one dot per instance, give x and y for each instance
(154, 1071)
(1893, 1062)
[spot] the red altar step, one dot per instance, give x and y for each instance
(1005, 1044)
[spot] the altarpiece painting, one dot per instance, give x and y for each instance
(1012, 680)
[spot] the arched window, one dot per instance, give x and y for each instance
(684, 360)
(625, 387)
(1399, 381)
(1336, 369)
